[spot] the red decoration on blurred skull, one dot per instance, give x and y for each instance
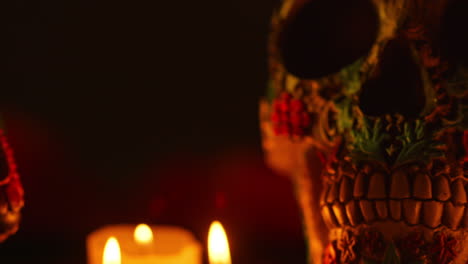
(11, 191)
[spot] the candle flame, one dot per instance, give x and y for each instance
(218, 245)
(143, 234)
(111, 253)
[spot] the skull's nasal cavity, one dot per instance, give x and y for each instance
(395, 86)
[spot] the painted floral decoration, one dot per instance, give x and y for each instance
(347, 246)
(329, 256)
(14, 189)
(373, 245)
(444, 249)
(289, 116)
(413, 246)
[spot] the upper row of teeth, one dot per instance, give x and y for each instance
(415, 199)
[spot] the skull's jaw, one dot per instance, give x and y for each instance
(378, 242)
(416, 208)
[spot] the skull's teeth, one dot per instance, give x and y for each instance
(333, 193)
(452, 215)
(395, 209)
(340, 213)
(465, 219)
(378, 190)
(346, 190)
(433, 212)
(381, 207)
(458, 192)
(353, 213)
(442, 189)
(422, 186)
(359, 189)
(399, 188)
(329, 217)
(411, 211)
(411, 196)
(367, 209)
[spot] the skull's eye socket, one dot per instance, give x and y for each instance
(324, 36)
(454, 33)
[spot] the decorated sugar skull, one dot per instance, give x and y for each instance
(367, 114)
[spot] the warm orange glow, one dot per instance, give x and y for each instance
(143, 234)
(111, 253)
(218, 245)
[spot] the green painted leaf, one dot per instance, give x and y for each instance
(368, 261)
(420, 261)
(369, 141)
(270, 92)
(345, 118)
(417, 144)
(350, 76)
(391, 255)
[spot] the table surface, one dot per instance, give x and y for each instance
(21, 251)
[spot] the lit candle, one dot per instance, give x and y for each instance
(218, 245)
(138, 245)
(111, 253)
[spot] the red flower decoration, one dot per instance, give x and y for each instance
(413, 246)
(347, 247)
(11, 183)
(444, 249)
(329, 256)
(289, 116)
(373, 244)
(427, 57)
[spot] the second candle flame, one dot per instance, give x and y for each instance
(143, 234)
(218, 245)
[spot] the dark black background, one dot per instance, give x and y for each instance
(141, 111)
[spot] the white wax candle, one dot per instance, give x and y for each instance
(170, 245)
